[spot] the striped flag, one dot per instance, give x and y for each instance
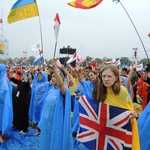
(38, 58)
(23, 9)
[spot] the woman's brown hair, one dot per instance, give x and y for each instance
(102, 92)
(96, 86)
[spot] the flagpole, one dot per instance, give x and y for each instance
(41, 42)
(135, 30)
(41, 38)
(55, 49)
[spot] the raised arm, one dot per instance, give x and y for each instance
(73, 70)
(131, 74)
(58, 78)
(68, 74)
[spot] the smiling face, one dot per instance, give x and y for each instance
(92, 76)
(108, 78)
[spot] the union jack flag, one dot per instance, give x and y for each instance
(104, 127)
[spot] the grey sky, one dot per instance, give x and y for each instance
(104, 31)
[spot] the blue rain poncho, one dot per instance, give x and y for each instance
(37, 97)
(55, 123)
(143, 126)
(6, 111)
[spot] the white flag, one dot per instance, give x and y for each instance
(36, 47)
(57, 25)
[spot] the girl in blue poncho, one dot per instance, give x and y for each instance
(39, 86)
(55, 123)
(6, 111)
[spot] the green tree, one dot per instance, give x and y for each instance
(125, 60)
(144, 61)
(31, 59)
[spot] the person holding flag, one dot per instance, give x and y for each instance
(101, 128)
(55, 122)
(20, 101)
(111, 93)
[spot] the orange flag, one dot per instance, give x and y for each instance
(85, 4)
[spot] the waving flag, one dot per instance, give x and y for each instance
(104, 127)
(85, 4)
(23, 9)
(114, 61)
(76, 56)
(83, 60)
(57, 25)
(36, 47)
(39, 58)
(72, 58)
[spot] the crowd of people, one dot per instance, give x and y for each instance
(49, 98)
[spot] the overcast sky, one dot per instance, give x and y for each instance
(104, 31)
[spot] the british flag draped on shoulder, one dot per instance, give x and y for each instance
(104, 127)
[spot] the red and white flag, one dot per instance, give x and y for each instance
(84, 59)
(114, 61)
(76, 56)
(57, 25)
